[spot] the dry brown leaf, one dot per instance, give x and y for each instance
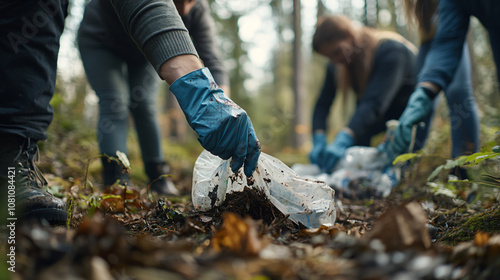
(238, 235)
(113, 205)
(115, 198)
(481, 238)
(322, 230)
(402, 227)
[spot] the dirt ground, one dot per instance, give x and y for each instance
(127, 233)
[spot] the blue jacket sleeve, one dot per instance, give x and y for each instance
(391, 67)
(325, 100)
(446, 50)
(156, 27)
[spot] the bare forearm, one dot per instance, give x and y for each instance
(179, 66)
(226, 90)
(431, 86)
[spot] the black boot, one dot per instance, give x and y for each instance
(113, 173)
(23, 183)
(158, 183)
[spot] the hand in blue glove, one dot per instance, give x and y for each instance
(336, 150)
(319, 145)
(419, 106)
(223, 127)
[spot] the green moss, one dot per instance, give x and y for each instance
(488, 222)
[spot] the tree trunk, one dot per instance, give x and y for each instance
(300, 129)
(365, 14)
(280, 81)
(237, 75)
(370, 13)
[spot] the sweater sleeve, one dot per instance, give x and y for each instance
(325, 100)
(390, 64)
(446, 49)
(202, 30)
(156, 28)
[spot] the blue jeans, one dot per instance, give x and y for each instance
(125, 84)
(459, 95)
(29, 45)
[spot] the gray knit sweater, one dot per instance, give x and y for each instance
(101, 27)
(154, 25)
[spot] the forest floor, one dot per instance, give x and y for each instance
(443, 229)
(419, 231)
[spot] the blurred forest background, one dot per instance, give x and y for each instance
(275, 76)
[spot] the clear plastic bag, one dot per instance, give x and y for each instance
(308, 202)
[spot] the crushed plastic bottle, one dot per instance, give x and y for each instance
(308, 202)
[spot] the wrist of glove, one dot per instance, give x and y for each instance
(336, 150)
(223, 127)
(419, 106)
(319, 145)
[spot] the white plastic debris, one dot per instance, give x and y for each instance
(363, 158)
(363, 171)
(308, 202)
(366, 168)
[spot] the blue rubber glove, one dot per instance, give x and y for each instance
(223, 127)
(336, 150)
(419, 106)
(319, 145)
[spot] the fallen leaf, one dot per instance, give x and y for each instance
(481, 238)
(402, 227)
(238, 235)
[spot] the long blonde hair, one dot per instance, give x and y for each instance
(366, 40)
(423, 15)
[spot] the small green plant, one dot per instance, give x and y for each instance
(462, 161)
(405, 157)
(121, 158)
(94, 203)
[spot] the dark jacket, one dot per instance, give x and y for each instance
(454, 17)
(387, 91)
